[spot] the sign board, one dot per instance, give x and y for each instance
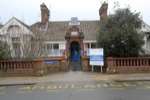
(51, 62)
(96, 57)
(74, 21)
(74, 33)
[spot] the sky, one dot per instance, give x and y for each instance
(29, 10)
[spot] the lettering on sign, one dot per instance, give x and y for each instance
(96, 56)
(51, 62)
(74, 21)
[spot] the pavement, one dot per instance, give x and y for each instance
(76, 86)
(73, 77)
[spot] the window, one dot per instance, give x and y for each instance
(53, 49)
(16, 48)
(15, 39)
(88, 46)
(55, 46)
(49, 46)
(93, 45)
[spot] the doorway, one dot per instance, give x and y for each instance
(75, 56)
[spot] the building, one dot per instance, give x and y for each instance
(146, 32)
(18, 36)
(1, 26)
(57, 38)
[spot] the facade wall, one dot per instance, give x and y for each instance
(17, 36)
(54, 48)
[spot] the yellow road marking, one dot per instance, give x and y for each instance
(59, 86)
(105, 85)
(98, 85)
(34, 87)
(128, 84)
(148, 87)
(115, 85)
(26, 88)
(51, 87)
(72, 86)
(66, 86)
(120, 88)
(41, 87)
(89, 86)
(54, 87)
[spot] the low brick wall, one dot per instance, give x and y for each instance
(16, 67)
(56, 64)
(33, 67)
(128, 65)
(85, 64)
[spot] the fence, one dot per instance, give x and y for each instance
(34, 67)
(16, 67)
(128, 65)
(44, 66)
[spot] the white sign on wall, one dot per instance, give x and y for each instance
(74, 33)
(74, 21)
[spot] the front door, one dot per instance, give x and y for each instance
(75, 56)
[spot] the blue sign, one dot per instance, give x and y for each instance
(51, 62)
(96, 57)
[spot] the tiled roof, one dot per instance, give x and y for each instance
(22, 23)
(56, 30)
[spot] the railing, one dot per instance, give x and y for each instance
(40, 66)
(130, 64)
(16, 67)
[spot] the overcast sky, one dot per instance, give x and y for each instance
(29, 10)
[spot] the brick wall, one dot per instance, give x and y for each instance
(33, 67)
(85, 64)
(128, 65)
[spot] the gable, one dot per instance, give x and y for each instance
(145, 27)
(17, 26)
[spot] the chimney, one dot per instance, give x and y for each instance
(103, 11)
(44, 14)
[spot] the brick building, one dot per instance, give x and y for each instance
(46, 38)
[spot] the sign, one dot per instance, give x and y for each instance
(74, 33)
(51, 62)
(74, 21)
(96, 57)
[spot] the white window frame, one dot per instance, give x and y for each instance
(60, 43)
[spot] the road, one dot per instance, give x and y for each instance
(82, 90)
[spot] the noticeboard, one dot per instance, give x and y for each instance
(51, 62)
(96, 57)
